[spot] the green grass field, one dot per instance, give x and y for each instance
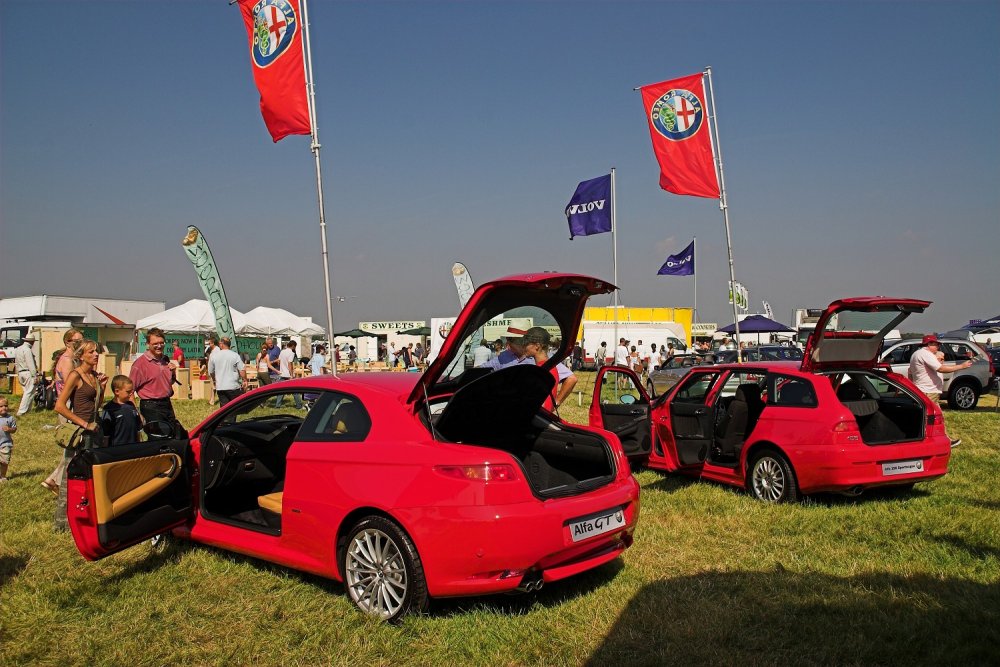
(713, 578)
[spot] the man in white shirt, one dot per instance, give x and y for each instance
(925, 371)
(228, 372)
(286, 362)
(621, 353)
(481, 354)
(24, 362)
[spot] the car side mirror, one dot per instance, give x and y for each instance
(627, 399)
(160, 430)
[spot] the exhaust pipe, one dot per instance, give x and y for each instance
(532, 582)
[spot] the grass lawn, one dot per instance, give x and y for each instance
(713, 578)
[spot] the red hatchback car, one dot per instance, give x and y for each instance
(837, 421)
(403, 486)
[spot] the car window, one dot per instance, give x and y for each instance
(620, 388)
(338, 418)
(791, 392)
(695, 387)
(742, 377)
(957, 352)
(271, 406)
(900, 354)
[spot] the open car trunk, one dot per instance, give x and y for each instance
(886, 413)
(502, 410)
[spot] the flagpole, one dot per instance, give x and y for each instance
(694, 254)
(614, 249)
(717, 151)
(314, 147)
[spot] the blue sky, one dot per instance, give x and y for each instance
(860, 139)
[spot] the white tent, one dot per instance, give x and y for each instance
(195, 316)
(281, 322)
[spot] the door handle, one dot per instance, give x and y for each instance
(701, 411)
(637, 411)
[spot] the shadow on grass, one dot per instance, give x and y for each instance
(551, 595)
(670, 483)
(751, 618)
(982, 551)
(10, 567)
(512, 604)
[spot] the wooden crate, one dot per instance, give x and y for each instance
(201, 390)
(183, 390)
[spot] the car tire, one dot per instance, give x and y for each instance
(650, 389)
(383, 575)
(962, 395)
(770, 478)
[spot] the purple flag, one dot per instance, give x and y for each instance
(681, 264)
(589, 210)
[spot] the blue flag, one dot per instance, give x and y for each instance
(681, 264)
(589, 211)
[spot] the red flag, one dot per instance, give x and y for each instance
(275, 31)
(678, 124)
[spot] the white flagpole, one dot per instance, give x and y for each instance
(717, 152)
(315, 146)
(614, 249)
(694, 254)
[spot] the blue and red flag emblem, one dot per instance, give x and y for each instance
(275, 32)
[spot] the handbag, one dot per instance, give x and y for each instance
(82, 440)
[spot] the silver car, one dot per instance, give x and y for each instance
(961, 388)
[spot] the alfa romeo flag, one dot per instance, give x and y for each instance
(589, 209)
(678, 125)
(681, 264)
(275, 31)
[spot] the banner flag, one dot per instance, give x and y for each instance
(678, 126)
(275, 32)
(211, 284)
(740, 295)
(768, 313)
(681, 264)
(589, 210)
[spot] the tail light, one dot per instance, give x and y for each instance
(487, 472)
(845, 432)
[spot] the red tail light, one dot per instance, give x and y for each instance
(487, 472)
(845, 426)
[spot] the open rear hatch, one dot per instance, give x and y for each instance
(502, 409)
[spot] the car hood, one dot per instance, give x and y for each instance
(563, 295)
(850, 332)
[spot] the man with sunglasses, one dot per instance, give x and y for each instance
(153, 376)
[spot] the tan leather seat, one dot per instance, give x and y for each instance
(271, 502)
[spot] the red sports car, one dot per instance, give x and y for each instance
(837, 421)
(403, 486)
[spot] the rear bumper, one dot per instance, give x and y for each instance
(863, 466)
(492, 549)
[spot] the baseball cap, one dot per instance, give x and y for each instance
(29, 337)
(930, 338)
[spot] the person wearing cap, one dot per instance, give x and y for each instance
(24, 360)
(925, 371)
(536, 347)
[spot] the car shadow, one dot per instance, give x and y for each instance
(517, 604)
(780, 617)
(669, 483)
(877, 494)
(10, 567)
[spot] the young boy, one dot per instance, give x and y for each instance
(120, 419)
(8, 425)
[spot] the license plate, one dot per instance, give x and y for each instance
(597, 524)
(902, 467)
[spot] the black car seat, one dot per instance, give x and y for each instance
(734, 425)
(796, 393)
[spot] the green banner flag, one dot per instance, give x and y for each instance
(211, 284)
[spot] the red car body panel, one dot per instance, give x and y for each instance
(472, 536)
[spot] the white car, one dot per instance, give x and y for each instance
(961, 388)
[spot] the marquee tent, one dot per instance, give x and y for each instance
(281, 322)
(194, 316)
(757, 324)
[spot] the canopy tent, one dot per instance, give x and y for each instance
(984, 324)
(194, 316)
(356, 333)
(758, 324)
(281, 322)
(419, 331)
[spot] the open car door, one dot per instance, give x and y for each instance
(621, 405)
(686, 441)
(119, 496)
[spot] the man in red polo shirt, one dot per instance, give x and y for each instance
(153, 376)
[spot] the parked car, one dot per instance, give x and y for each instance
(664, 377)
(994, 353)
(962, 388)
(834, 421)
(403, 486)
(760, 353)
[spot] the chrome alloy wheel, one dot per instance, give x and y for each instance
(376, 573)
(768, 479)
